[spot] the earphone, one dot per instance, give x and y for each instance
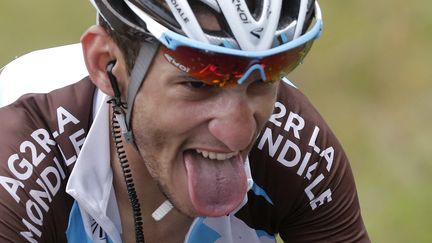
(113, 80)
(118, 126)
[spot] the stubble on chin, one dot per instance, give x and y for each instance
(158, 170)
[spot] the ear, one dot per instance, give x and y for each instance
(98, 49)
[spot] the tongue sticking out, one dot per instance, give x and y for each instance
(216, 187)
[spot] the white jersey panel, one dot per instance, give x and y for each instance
(41, 71)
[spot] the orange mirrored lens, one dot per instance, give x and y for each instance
(224, 70)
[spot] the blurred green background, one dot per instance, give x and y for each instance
(369, 75)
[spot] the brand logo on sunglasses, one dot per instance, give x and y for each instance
(180, 66)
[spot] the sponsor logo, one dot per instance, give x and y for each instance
(241, 12)
(314, 165)
(257, 32)
(180, 11)
(31, 162)
(180, 66)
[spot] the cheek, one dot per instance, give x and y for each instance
(266, 107)
(146, 123)
(152, 141)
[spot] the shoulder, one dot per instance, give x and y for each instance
(41, 71)
(302, 168)
(41, 137)
(294, 138)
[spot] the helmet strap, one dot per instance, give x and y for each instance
(143, 62)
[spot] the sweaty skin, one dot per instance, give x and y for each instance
(199, 121)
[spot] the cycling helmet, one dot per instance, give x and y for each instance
(253, 35)
(245, 24)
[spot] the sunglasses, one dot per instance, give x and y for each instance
(227, 67)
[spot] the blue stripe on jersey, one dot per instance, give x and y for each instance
(260, 192)
(262, 233)
(202, 233)
(75, 231)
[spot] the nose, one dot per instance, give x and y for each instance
(234, 122)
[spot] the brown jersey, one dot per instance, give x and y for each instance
(303, 185)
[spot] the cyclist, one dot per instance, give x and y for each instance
(182, 132)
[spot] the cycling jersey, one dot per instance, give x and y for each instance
(56, 178)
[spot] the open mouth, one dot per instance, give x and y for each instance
(216, 156)
(217, 182)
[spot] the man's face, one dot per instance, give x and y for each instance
(194, 138)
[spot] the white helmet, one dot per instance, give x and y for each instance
(246, 24)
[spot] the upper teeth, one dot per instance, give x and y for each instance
(216, 156)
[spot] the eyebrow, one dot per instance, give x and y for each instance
(190, 78)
